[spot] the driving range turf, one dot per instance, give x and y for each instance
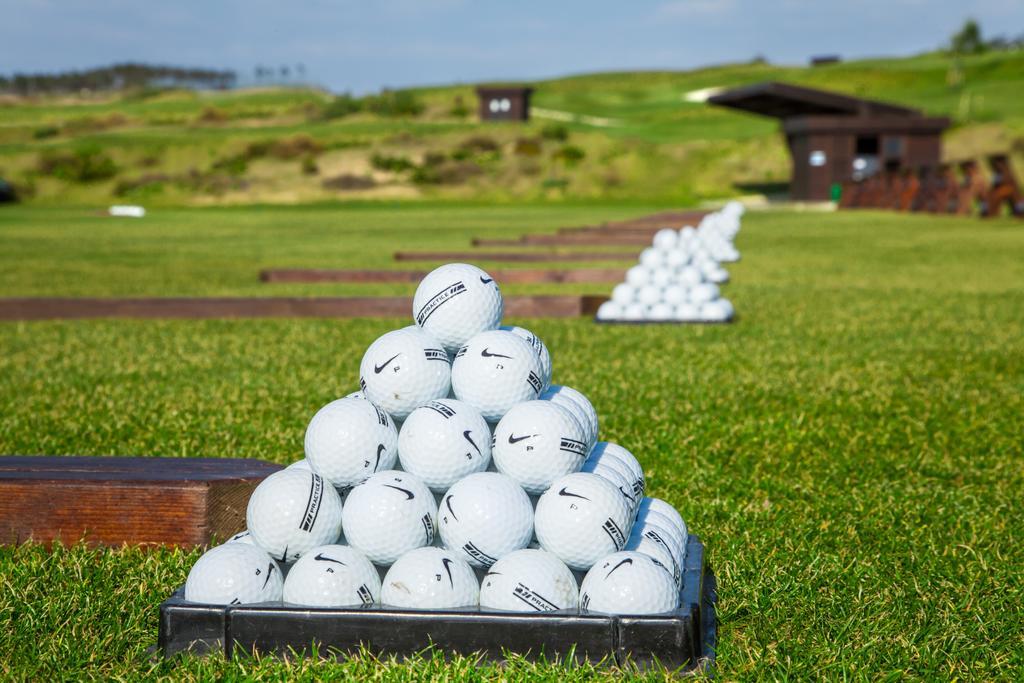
(849, 449)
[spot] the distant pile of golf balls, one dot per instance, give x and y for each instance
(678, 277)
(456, 476)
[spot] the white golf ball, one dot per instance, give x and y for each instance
(674, 295)
(624, 294)
(607, 450)
(704, 292)
(634, 312)
(628, 583)
(442, 441)
(609, 310)
(537, 442)
(645, 540)
(388, 515)
(638, 276)
(350, 439)
(582, 518)
(542, 351)
(496, 370)
(455, 302)
(485, 517)
(687, 312)
(616, 473)
(658, 528)
(660, 311)
(293, 511)
(529, 580)
(652, 258)
(666, 239)
(332, 576)
(404, 369)
(234, 574)
(677, 258)
(356, 394)
(577, 404)
(662, 507)
(649, 295)
(690, 276)
(662, 277)
(430, 578)
(242, 537)
(301, 464)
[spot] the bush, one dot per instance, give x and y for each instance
(347, 181)
(394, 103)
(570, 154)
(84, 165)
(459, 109)
(145, 185)
(309, 166)
(447, 173)
(235, 165)
(527, 147)
(341, 106)
(294, 147)
(382, 162)
(45, 132)
(433, 159)
(480, 143)
(555, 131)
(212, 115)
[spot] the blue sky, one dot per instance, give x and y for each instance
(363, 46)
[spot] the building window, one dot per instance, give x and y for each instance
(893, 148)
(867, 145)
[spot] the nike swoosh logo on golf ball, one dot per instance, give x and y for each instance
(448, 568)
(377, 369)
(380, 450)
(471, 442)
(486, 280)
(407, 492)
(487, 354)
(563, 492)
(517, 439)
(320, 557)
(270, 572)
(448, 504)
(628, 560)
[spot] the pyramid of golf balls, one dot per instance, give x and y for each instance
(678, 276)
(456, 476)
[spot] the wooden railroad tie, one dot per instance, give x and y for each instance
(111, 501)
(517, 256)
(512, 276)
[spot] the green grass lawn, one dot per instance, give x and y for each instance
(849, 450)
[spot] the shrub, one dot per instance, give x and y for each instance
(447, 173)
(341, 106)
(383, 162)
(145, 185)
(570, 154)
(309, 166)
(459, 109)
(45, 132)
(235, 165)
(294, 147)
(479, 143)
(394, 103)
(212, 115)
(84, 165)
(527, 147)
(433, 159)
(555, 131)
(347, 181)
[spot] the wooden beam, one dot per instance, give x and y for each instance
(510, 276)
(266, 307)
(517, 256)
(110, 500)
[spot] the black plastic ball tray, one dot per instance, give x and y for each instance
(682, 639)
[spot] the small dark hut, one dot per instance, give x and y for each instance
(833, 138)
(504, 103)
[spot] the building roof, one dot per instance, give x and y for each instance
(503, 89)
(783, 101)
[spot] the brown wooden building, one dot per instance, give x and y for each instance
(504, 103)
(833, 137)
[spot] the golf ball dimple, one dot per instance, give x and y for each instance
(350, 439)
(388, 515)
(234, 574)
(404, 369)
(442, 441)
(582, 518)
(496, 370)
(628, 583)
(292, 512)
(484, 517)
(430, 578)
(537, 442)
(529, 580)
(455, 302)
(332, 576)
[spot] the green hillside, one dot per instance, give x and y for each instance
(612, 135)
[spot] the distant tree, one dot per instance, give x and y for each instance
(968, 40)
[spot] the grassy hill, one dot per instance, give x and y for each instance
(620, 136)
